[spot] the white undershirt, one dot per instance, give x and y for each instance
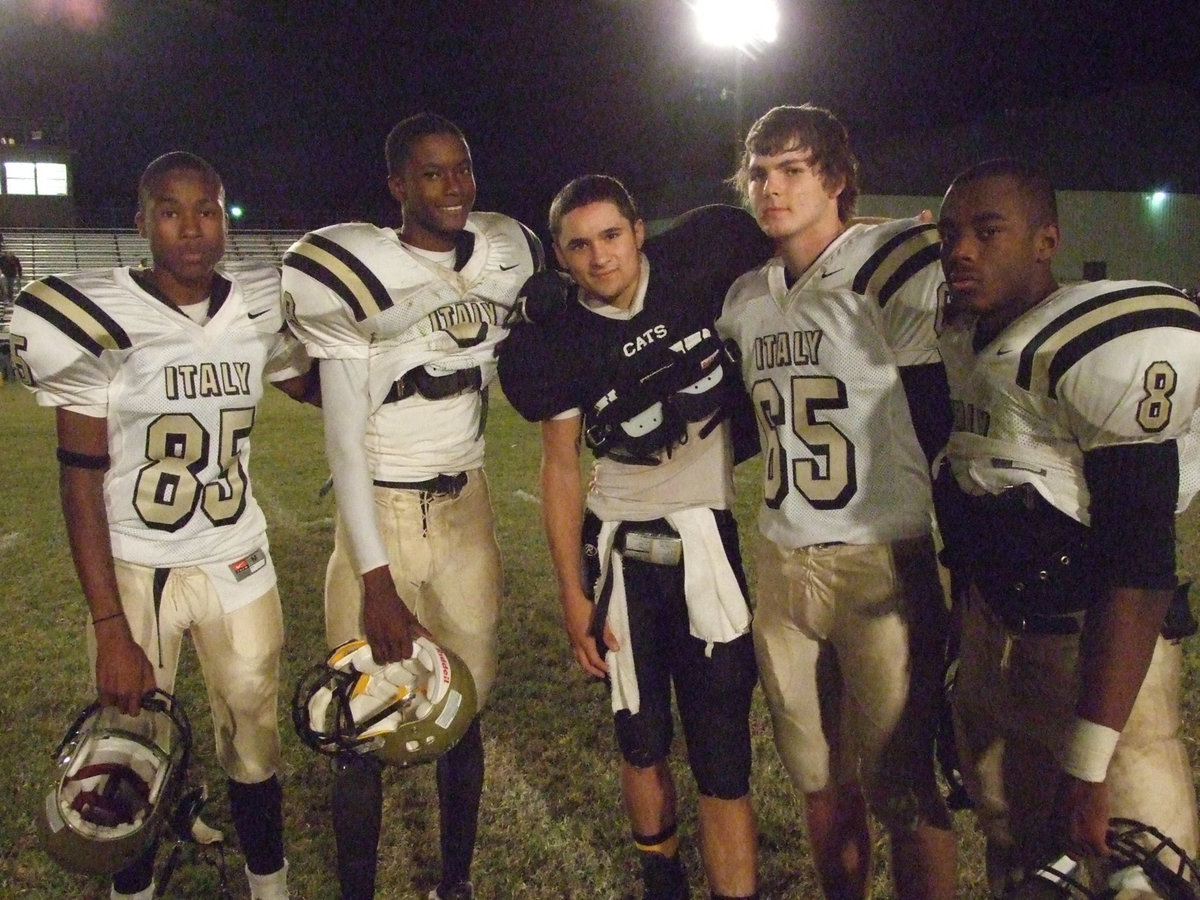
(197, 312)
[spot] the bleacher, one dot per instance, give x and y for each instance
(45, 251)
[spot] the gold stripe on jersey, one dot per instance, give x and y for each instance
(342, 272)
(1051, 352)
(74, 314)
(899, 259)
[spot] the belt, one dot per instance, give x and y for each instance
(1024, 622)
(649, 547)
(450, 485)
(433, 387)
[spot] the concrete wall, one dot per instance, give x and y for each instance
(1131, 234)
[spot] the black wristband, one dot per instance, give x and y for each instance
(119, 612)
(82, 460)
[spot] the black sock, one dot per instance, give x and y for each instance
(257, 812)
(460, 786)
(663, 875)
(357, 813)
(138, 874)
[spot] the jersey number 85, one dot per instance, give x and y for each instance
(168, 487)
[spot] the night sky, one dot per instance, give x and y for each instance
(292, 100)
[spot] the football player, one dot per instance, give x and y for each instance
(405, 323)
(1070, 406)
(155, 375)
(850, 620)
(631, 364)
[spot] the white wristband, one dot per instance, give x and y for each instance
(1089, 750)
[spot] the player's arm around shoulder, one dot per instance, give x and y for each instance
(288, 367)
(123, 673)
(562, 518)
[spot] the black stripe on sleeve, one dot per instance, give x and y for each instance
(68, 326)
(1079, 346)
(316, 270)
(877, 259)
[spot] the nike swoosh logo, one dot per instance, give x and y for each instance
(255, 315)
(1004, 351)
(828, 274)
(506, 268)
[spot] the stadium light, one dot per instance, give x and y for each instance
(745, 25)
(236, 212)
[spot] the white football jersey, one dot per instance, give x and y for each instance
(180, 399)
(896, 263)
(841, 461)
(1093, 365)
(355, 291)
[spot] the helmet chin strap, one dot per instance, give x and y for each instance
(190, 831)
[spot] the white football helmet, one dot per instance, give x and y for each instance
(404, 713)
(119, 780)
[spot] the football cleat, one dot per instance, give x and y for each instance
(404, 713)
(119, 782)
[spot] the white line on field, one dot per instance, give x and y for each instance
(9, 540)
(526, 496)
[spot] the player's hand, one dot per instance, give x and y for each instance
(390, 626)
(123, 672)
(1082, 810)
(578, 613)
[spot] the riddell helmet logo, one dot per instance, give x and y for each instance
(445, 666)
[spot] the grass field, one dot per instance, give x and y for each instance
(551, 826)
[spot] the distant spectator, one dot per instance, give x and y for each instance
(10, 266)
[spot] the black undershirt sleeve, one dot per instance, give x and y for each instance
(1134, 490)
(928, 396)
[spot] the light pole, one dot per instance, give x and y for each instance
(746, 26)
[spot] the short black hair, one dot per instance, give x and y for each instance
(591, 189)
(155, 173)
(407, 132)
(1033, 184)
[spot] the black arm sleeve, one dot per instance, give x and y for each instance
(928, 396)
(1134, 489)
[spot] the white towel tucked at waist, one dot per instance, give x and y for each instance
(717, 609)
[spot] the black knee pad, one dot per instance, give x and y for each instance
(645, 738)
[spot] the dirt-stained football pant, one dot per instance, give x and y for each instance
(851, 636)
(238, 654)
(1014, 709)
(445, 561)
